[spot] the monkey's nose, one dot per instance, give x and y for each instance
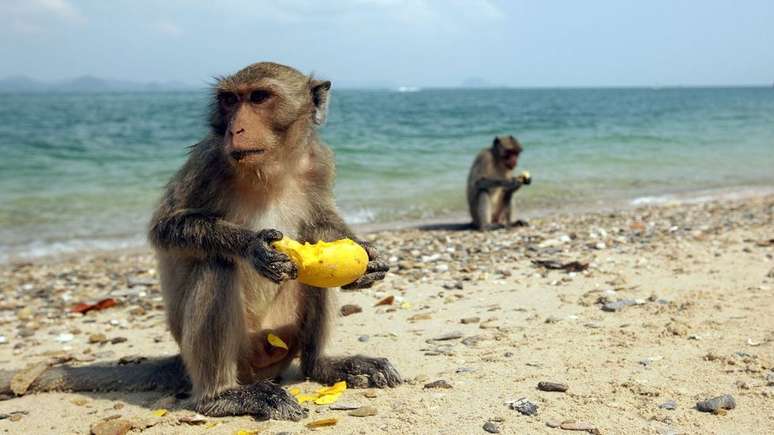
(240, 131)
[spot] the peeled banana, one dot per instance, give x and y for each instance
(326, 264)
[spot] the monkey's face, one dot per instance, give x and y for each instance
(250, 134)
(262, 110)
(508, 150)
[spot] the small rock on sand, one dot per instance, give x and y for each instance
(715, 404)
(448, 336)
(524, 406)
(349, 309)
(491, 427)
(552, 386)
(581, 426)
(112, 427)
(438, 384)
(468, 320)
(670, 405)
(364, 411)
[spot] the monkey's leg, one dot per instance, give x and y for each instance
(358, 371)
(484, 214)
(214, 337)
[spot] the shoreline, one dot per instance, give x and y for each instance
(453, 221)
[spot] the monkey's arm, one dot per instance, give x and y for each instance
(206, 234)
(511, 185)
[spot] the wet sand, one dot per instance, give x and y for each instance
(676, 304)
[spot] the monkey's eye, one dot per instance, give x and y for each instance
(257, 97)
(227, 99)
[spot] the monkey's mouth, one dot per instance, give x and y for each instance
(241, 154)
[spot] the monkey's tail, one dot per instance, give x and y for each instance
(157, 374)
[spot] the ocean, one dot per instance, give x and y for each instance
(83, 171)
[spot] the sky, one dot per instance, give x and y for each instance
(396, 42)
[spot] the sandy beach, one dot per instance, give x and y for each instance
(666, 306)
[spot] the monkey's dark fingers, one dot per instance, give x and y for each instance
(377, 266)
(286, 269)
(270, 235)
(365, 281)
(364, 372)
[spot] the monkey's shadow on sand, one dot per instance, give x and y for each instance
(171, 400)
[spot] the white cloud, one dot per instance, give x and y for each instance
(32, 16)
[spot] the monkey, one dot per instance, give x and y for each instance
(259, 175)
(491, 184)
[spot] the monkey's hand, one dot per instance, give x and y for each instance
(375, 271)
(268, 261)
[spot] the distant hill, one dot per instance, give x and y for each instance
(478, 82)
(87, 83)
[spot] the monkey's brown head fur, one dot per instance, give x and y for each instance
(507, 150)
(264, 112)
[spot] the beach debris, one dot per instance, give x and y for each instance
(491, 427)
(65, 337)
(554, 424)
(14, 415)
(441, 383)
(21, 380)
(248, 431)
(344, 406)
(421, 316)
(325, 422)
(572, 266)
(523, 405)
(669, 405)
(716, 404)
(192, 419)
(468, 320)
(580, 426)
(103, 304)
(350, 309)
(765, 243)
(386, 301)
(364, 411)
(159, 412)
(117, 340)
(455, 335)
(276, 341)
(552, 386)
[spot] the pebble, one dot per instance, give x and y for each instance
(97, 338)
(524, 406)
(364, 411)
(65, 337)
(448, 336)
(116, 340)
(670, 405)
(117, 426)
(491, 427)
(552, 386)
(715, 404)
(468, 320)
(438, 384)
(618, 305)
(579, 426)
(343, 406)
(362, 338)
(349, 309)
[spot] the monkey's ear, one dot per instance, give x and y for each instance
(496, 142)
(320, 98)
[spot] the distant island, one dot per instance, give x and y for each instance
(87, 83)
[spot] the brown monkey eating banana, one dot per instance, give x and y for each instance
(260, 174)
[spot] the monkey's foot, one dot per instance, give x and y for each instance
(263, 400)
(520, 223)
(360, 372)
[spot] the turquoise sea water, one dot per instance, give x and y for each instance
(84, 171)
